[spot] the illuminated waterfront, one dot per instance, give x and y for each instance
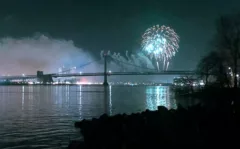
(43, 116)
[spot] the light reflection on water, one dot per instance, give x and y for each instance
(110, 100)
(159, 96)
(22, 97)
(43, 116)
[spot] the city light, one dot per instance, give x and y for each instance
(55, 83)
(30, 83)
(23, 74)
(110, 71)
(80, 72)
(201, 83)
(67, 82)
(237, 75)
(78, 83)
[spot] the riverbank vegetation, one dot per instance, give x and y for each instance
(219, 69)
(221, 66)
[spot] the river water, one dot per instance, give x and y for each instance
(44, 116)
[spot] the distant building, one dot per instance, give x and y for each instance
(187, 81)
(44, 78)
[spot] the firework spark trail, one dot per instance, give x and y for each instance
(167, 65)
(157, 66)
(122, 59)
(139, 62)
(135, 62)
(160, 42)
(102, 55)
(146, 59)
(127, 56)
(119, 58)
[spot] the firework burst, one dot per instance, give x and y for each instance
(160, 42)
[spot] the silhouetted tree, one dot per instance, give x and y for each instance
(206, 66)
(228, 40)
(213, 65)
(188, 81)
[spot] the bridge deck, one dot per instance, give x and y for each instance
(101, 74)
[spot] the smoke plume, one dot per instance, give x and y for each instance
(27, 55)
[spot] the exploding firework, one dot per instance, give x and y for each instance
(160, 42)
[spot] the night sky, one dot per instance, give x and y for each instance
(117, 25)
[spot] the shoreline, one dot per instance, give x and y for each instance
(168, 128)
(73, 85)
(199, 124)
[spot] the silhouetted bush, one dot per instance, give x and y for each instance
(193, 127)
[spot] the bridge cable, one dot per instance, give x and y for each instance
(86, 64)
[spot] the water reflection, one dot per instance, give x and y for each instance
(23, 97)
(158, 96)
(30, 97)
(80, 102)
(44, 115)
(68, 96)
(110, 100)
(30, 94)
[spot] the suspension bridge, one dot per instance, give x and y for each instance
(48, 77)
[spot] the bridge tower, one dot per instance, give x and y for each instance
(105, 82)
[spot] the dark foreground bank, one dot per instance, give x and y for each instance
(192, 127)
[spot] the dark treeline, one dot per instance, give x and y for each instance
(221, 66)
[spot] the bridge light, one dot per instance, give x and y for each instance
(110, 71)
(237, 75)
